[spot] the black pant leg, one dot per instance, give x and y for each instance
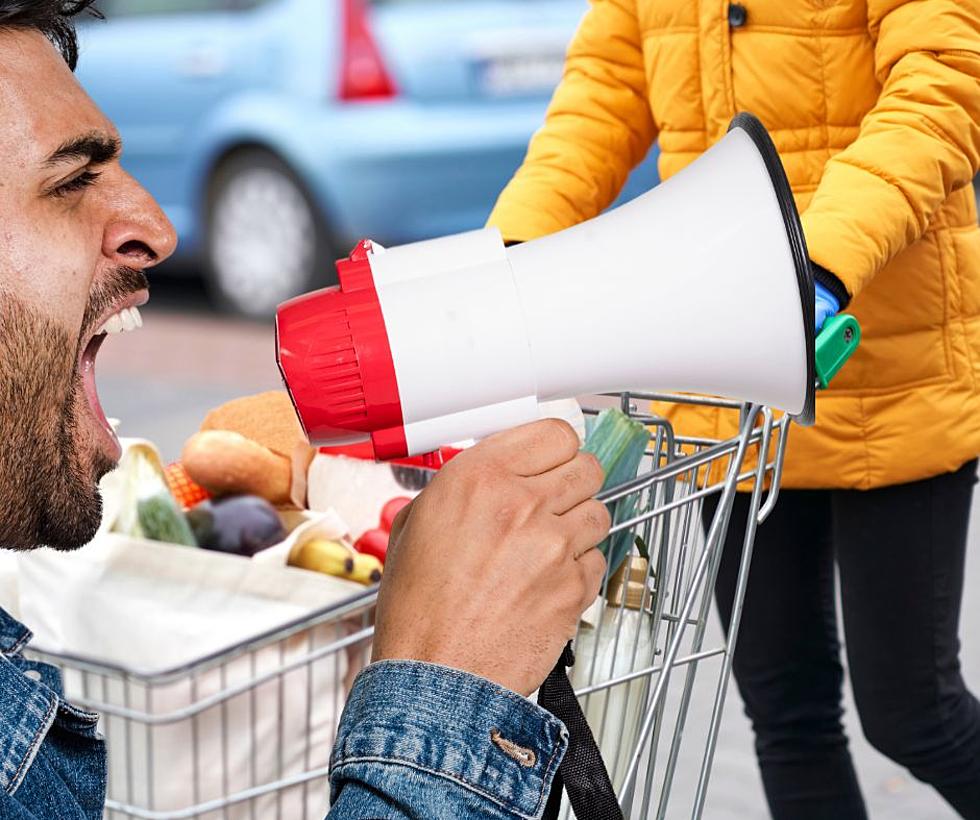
(787, 659)
(901, 553)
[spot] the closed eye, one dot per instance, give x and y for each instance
(77, 183)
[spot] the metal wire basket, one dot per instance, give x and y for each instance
(253, 724)
(638, 652)
(640, 648)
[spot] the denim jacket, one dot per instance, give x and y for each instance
(427, 742)
(52, 758)
(415, 741)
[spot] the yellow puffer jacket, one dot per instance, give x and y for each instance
(874, 106)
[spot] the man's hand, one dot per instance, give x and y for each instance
(491, 566)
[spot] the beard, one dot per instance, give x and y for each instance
(49, 466)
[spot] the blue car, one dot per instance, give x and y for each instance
(277, 132)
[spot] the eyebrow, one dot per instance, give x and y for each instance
(97, 148)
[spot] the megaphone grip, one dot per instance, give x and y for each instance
(838, 340)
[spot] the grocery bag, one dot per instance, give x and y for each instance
(168, 619)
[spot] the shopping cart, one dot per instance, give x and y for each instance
(638, 652)
(243, 734)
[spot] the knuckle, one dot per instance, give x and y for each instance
(557, 548)
(604, 516)
(525, 496)
(597, 517)
(555, 551)
(559, 434)
(515, 503)
(503, 515)
(594, 467)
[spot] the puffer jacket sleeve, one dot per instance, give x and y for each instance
(918, 144)
(598, 127)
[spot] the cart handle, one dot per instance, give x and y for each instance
(838, 339)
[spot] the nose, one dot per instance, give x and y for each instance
(138, 233)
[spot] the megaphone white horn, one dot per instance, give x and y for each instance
(702, 285)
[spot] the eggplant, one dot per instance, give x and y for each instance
(240, 525)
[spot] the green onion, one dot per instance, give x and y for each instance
(619, 443)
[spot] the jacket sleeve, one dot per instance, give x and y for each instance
(918, 144)
(12, 809)
(597, 128)
(418, 741)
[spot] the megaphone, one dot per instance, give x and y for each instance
(702, 285)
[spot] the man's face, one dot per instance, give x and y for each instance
(76, 232)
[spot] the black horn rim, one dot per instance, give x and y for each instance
(797, 242)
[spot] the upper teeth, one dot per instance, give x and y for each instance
(125, 319)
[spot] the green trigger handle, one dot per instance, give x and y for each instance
(838, 339)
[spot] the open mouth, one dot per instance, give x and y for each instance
(124, 320)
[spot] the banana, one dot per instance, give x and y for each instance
(334, 558)
(320, 555)
(367, 569)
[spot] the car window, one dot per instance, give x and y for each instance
(128, 8)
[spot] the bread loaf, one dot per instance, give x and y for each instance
(227, 463)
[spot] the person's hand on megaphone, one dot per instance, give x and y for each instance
(491, 566)
(826, 306)
(831, 295)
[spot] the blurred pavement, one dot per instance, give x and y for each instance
(161, 380)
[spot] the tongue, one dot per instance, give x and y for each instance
(88, 379)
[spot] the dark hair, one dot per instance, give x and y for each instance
(53, 18)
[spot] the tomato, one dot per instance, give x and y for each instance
(390, 510)
(373, 542)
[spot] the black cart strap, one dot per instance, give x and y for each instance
(582, 772)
